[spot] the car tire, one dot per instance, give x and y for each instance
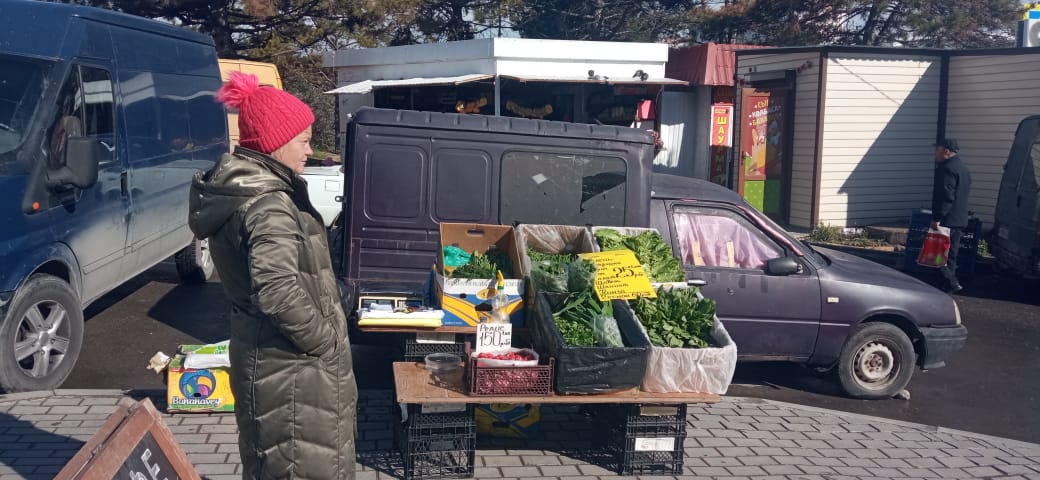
(876, 362)
(194, 263)
(44, 326)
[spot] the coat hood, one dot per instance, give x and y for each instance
(233, 181)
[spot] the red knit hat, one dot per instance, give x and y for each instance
(267, 117)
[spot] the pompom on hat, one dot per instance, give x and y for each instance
(267, 117)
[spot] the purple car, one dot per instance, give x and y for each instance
(781, 299)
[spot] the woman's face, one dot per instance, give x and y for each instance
(294, 154)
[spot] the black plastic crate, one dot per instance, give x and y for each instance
(659, 459)
(438, 445)
(653, 421)
(415, 351)
(647, 439)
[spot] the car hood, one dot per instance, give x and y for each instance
(846, 267)
(864, 287)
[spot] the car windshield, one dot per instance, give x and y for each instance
(806, 247)
(21, 87)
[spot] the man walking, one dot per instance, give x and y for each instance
(950, 189)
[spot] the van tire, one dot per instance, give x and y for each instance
(194, 263)
(876, 362)
(53, 301)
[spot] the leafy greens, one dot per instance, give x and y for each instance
(650, 249)
(677, 318)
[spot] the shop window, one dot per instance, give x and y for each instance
(563, 189)
(720, 238)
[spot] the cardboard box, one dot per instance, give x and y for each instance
(197, 389)
(508, 420)
(465, 301)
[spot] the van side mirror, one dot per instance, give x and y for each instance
(80, 167)
(783, 266)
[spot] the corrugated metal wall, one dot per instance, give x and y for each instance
(806, 88)
(880, 120)
(988, 96)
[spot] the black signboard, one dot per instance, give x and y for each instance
(133, 444)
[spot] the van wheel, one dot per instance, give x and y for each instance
(41, 336)
(876, 362)
(194, 263)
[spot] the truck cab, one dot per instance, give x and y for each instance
(1015, 239)
(101, 128)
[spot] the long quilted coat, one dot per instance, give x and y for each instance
(290, 370)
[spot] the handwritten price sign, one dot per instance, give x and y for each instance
(494, 337)
(619, 276)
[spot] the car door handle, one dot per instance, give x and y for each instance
(696, 282)
(122, 183)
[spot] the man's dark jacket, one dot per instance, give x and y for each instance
(950, 193)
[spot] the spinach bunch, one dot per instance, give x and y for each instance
(485, 265)
(576, 318)
(650, 249)
(677, 318)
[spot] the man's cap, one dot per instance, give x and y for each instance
(947, 143)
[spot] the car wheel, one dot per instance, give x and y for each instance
(876, 362)
(194, 263)
(41, 335)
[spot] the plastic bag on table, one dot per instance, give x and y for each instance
(935, 249)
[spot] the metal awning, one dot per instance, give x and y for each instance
(608, 80)
(368, 85)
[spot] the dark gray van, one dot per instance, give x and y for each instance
(1015, 238)
(779, 298)
(104, 117)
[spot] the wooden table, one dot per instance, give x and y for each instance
(415, 384)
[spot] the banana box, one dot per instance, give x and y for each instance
(197, 389)
(466, 301)
(508, 420)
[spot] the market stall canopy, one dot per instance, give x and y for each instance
(636, 80)
(367, 86)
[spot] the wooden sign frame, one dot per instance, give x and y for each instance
(135, 427)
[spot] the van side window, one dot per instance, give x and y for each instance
(1034, 163)
(562, 189)
(99, 110)
(85, 108)
(67, 120)
(712, 237)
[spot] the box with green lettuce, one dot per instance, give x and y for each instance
(690, 348)
(598, 346)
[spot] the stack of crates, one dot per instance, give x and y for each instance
(438, 445)
(648, 439)
(920, 220)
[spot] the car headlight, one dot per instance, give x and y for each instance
(956, 312)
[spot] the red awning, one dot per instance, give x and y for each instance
(705, 64)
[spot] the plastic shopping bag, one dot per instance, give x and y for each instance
(935, 249)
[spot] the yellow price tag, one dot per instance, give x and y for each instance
(619, 276)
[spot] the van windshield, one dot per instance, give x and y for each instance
(21, 87)
(562, 189)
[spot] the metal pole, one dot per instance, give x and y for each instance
(498, 96)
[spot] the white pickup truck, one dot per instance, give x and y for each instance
(325, 188)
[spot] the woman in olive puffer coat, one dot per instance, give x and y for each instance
(291, 373)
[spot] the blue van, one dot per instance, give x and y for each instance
(104, 117)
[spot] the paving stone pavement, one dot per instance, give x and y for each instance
(738, 438)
